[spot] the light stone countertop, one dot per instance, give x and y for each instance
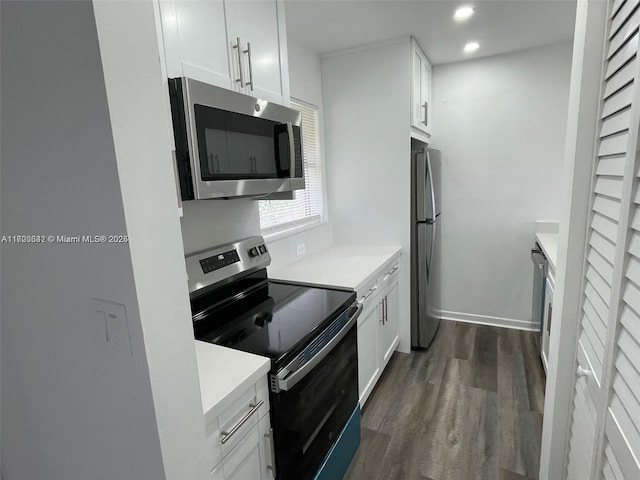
(346, 266)
(225, 374)
(549, 244)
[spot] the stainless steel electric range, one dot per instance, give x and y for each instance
(309, 333)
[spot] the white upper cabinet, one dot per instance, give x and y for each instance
(420, 90)
(194, 34)
(259, 26)
(238, 45)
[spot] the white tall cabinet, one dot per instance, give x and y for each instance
(368, 139)
(605, 419)
(235, 44)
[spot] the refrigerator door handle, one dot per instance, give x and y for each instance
(420, 182)
(433, 241)
(427, 257)
(431, 190)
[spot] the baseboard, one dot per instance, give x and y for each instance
(488, 320)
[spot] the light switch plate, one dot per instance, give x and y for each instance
(301, 249)
(113, 323)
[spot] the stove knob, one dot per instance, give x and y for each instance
(263, 249)
(253, 252)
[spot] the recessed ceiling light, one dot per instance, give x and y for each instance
(463, 13)
(471, 47)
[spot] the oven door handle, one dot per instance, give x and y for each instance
(290, 379)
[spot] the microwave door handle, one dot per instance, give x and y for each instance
(292, 144)
(282, 156)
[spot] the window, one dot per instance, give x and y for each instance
(305, 209)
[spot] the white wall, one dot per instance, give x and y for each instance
(72, 407)
(208, 223)
(136, 89)
(305, 76)
(367, 109)
(214, 222)
(500, 123)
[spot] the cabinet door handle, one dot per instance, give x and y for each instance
(248, 52)
(386, 311)
(549, 319)
(272, 453)
(227, 435)
(426, 113)
(238, 49)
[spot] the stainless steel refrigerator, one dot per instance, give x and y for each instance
(425, 244)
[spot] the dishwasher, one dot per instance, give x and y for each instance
(540, 265)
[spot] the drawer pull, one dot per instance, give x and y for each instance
(389, 273)
(227, 435)
(370, 292)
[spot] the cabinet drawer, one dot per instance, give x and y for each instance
(369, 292)
(213, 443)
(238, 420)
(243, 461)
(234, 423)
(390, 274)
(217, 473)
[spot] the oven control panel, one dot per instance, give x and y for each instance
(257, 250)
(219, 264)
(219, 261)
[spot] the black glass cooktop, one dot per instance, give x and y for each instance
(265, 317)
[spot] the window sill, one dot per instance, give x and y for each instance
(289, 232)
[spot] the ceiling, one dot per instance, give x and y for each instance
(499, 26)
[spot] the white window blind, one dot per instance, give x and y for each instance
(306, 208)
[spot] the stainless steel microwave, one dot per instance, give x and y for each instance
(233, 145)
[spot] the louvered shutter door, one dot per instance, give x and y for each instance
(608, 302)
(621, 430)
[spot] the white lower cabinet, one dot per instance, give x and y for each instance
(548, 311)
(217, 473)
(388, 337)
(267, 452)
(243, 462)
(367, 351)
(377, 329)
(240, 439)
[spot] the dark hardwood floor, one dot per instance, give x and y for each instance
(469, 408)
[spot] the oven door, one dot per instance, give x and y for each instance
(239, 145)
(308, 417)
